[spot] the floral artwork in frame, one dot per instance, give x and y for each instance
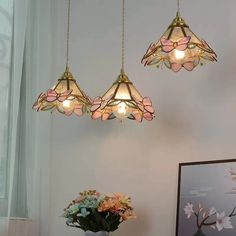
(207, 199)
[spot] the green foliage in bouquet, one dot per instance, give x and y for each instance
(94, 212)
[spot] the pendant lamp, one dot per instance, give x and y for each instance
(122, 100)
(179, 48)
(66, 97)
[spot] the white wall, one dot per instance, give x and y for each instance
(196, 112)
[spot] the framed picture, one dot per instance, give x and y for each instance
(207, 199)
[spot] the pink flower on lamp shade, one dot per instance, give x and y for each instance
(103, 109)
(168, 45)
(99, 109)
(145, 111)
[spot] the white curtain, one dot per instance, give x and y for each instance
(28, 140)
(6, 19)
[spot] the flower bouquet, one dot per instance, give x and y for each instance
(94, 212)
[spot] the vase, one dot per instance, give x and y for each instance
(199, 233)
(100, 233)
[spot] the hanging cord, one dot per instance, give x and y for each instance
(123, 38)
(68, 35)
(178, 6)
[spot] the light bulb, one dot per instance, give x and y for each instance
(66, 103)
(122, 111)
(179, 55)
(122, 108)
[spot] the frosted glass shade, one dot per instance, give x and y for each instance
(66, 97)
(122, 101)
(178, 48)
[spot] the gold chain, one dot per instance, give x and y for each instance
(68, 35)
(123, 38)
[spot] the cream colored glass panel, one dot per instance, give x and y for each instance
(110, 92)
(123, 92)
(194, 39)
(177, 34)
(135, 93)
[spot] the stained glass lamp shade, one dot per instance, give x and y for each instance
(65, 97)
(121, 101)
(179, 48)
